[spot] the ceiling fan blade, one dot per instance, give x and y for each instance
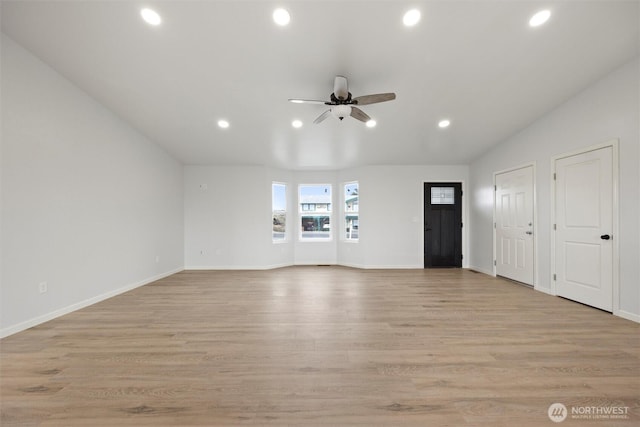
(357, 113)
(322, 116)
(372, 99)
(308, 101)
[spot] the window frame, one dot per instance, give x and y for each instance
(312, 211)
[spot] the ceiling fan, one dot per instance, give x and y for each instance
(343, 104)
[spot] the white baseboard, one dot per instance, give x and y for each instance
(629, 316)
(352, 265)
(482, 270)
(273, 266)
(235, 267)
(620, 313)
(5, 332)
(394, 267)
(547, 291)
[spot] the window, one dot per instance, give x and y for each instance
(442, 196)
(351, 205)
(279, 211)
(314, 210)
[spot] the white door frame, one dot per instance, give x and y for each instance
(616, 228)
(535, 221)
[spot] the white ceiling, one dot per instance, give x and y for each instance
(475, 62)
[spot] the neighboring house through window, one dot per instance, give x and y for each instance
(351, 210)
(314, 201)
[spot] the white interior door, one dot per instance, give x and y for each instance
(514, 225)
(584, 228)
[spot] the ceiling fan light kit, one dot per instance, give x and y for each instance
(341, 111)
(343, 104)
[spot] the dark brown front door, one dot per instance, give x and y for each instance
(442, 224)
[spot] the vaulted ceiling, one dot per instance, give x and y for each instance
(477, 63)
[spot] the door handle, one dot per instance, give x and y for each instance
(605, 237)
(529, 232)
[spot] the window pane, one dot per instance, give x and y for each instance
(316, 227)
(351, 197)
(351, 208)
(315, 208)
(279, 210)
(442, 196)
(351, 227)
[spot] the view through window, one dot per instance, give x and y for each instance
(279, 211)
(351, 208)
(314, 210)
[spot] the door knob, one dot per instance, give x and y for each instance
(529, 232)
(605, 237)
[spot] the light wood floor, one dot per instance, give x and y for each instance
(322, 346)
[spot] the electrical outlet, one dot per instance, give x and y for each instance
(43, 287)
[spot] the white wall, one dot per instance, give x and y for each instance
(87, 202)
(606, 110)
(228, 225)
(391, 214)
(228, 218)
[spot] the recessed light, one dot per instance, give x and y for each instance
(371, 123)
(151, 16)
(411, 17)
(281, 17)
(223, 124)
(296, 124)
(444, 123)
(539, 18)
